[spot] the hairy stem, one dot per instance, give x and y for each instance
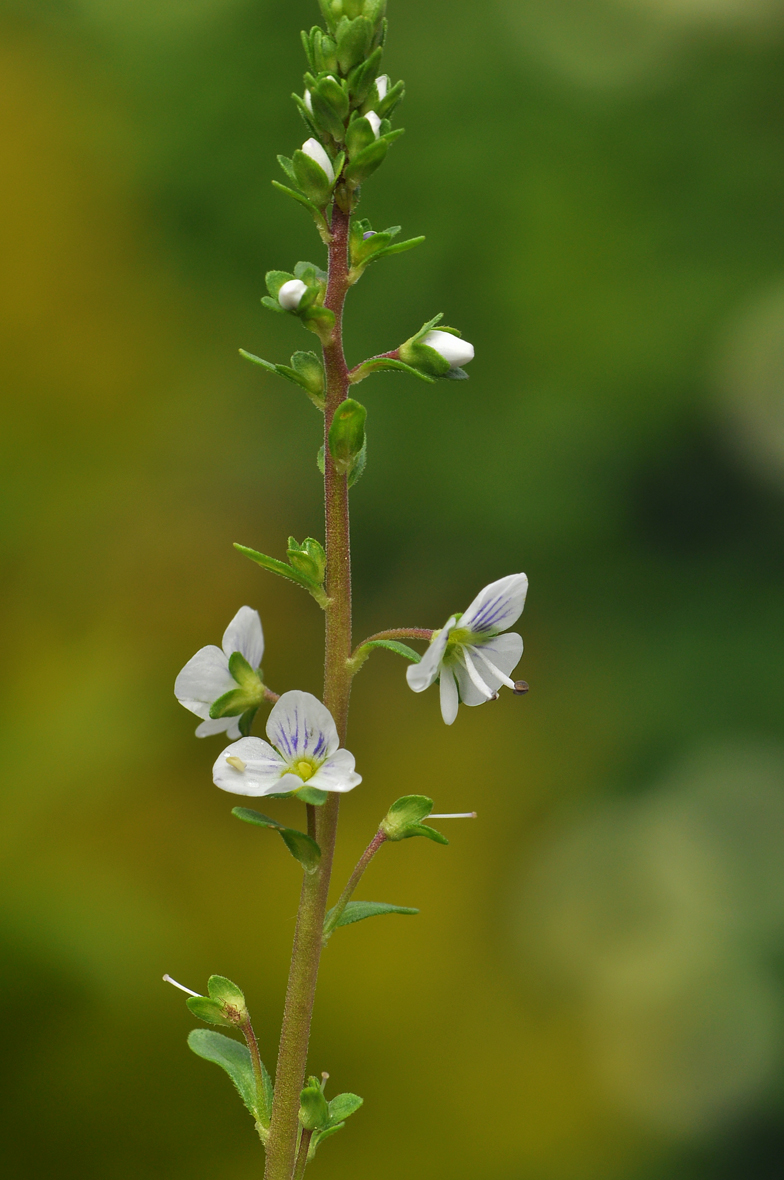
(258, 1075)
(363, 862)
(302, 1155)
(303, 973)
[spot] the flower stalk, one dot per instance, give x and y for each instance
(308, 937)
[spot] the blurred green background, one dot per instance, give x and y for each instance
(594, 989)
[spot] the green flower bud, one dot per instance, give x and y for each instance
(347, 434)
(308, 558)
(404, 819)
(225, 1004)
(313, 1108)
(353, 42)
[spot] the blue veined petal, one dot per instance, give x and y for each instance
(497, 606)
(299, 725)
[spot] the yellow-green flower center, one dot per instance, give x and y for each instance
(304, 768)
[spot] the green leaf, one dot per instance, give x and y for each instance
(353, 42)
(232, 1057)
(366, 163)
(318, 216)
(382, 364)
(281, 569)
(357, 471)
(357, 911)
(256, 360)
(401, 649)
(320, 1136)
(347, 434)
(342, 1106)
(303, 848)
(399, 247)
(273, 305)
(287, 167)
(312, 179)
(232, 704)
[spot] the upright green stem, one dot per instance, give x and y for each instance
(303, 974)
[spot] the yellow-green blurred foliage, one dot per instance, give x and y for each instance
(593, 989)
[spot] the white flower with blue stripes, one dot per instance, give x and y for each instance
(469, 656)
(304, 753)
(214, 674)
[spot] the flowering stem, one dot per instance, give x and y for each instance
(258, 1075)
(363, 862)
(303, 973)
(302, 1155)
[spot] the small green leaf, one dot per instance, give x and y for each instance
(232, 704)
(357, 911)
(273, 305)
(381, 364)
(311, 178)
(284, 571)
(320, 1136)
(232, 1057)
(318, 216)
(256, 360)
(366, 163)
(400, 247)
(342, 1106)
(401, 649)
(358, 470)
(303, 848)
(287, 167)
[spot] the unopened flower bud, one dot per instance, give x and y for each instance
(290, 294)
(456, 352)
(313, 1109)
(309, 101)
(374, 121)
(382, 85)
(312, 147)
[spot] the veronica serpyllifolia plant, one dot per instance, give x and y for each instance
(347, 107)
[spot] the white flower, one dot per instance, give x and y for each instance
(374, 122)
(206, 677)
(470, 656)
(305, 741)
(309, 101)
(454, 350)
(312, 147)
(382, 85)
(290, 294)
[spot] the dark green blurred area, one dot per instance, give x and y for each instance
(594, 988)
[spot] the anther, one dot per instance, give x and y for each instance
(520, 688)
(237, 763)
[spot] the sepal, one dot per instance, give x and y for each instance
(340, 1108)
(404, 819)
(420, 356)
(312, 179)
(248, 696)
(366, 163)
(308, 558)
(354, 40)
(347, 435)
(224, 1005)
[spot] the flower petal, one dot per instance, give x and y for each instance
(336, 774)
(204, 678)
(264, 768)
(449, 697)
(244, 635)
(211, 726)
(300, 725)
(420, 676)
(497, 606)
(469, 693)
(503, 651)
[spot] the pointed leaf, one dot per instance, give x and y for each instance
(209, 1010)
(400, 247)
(357, 911)
(256, 360)
(303, 848)
(401, 649)
(232, 1057)
(277, 567)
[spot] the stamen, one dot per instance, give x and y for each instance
(520, 688)
(236, 762)
(174, 983)
(477, 651)
(324, 1080)
(474, 675)
(454, 815)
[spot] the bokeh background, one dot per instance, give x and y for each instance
(594, 989)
